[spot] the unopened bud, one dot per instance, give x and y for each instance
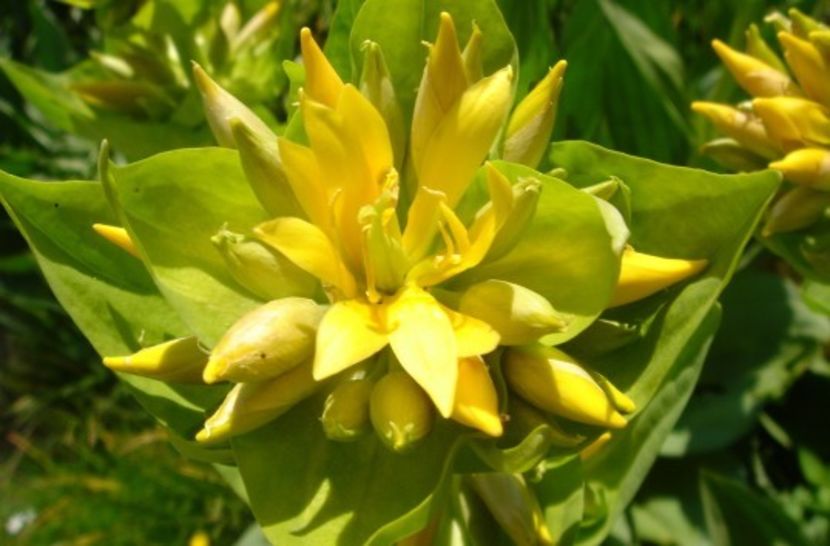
(376, 85)
(266, 342)
(807, 63)
(531, 124)
(513, 506)
(518, 314)
(755, 76)
(809, 167)
(642, 275)
(793, 122)
(117, 236)
(176, 361)
(401, 411)
(526, 193)
(476, 402)
(264, 272)
(554, 382)
(760, 49)
(799, 208)
(346, 410)
(250, 405)
(743, 126)
(732, 155)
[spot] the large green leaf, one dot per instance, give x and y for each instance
(172, 204)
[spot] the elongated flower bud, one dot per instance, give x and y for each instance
(259, 269)
(177, 361)
(531, 125)
(322, 83)
(376, 85)
(518, 314)
(401, 411)
(554, 382)
(346, 410)
(476, 401)
(799, 208)
(250, 405)
(642, 275)
(117, 236)
(513, 506)
(808, 66)
(760, 49)
(742, 126)
(266, 342)
(732, 155)
(756, 77)
(794, 122)
(809, 167)
(221, 107)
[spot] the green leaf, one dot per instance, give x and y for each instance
(562, 487)
(337, 42)
(737, 516)
(171, 204)
(400, 30)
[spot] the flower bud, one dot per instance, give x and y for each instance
(322, 83)
(476, 401)
(401, 411)
(729, 153)
(794, 122)
(809, 167)
(530, 126)
(642, 275)
(760, 49)
(221, 107)
(376, 85)
(346, 410)
(554, 382)
(821, 40)
(117, 236)
(262, 271)
(807, 63)
(513, 506)
(797, 209)
(250, 405)
(526, 193)
(744, 127)
(756, 77)
(176, 361)
(518, 314)
(266, 342)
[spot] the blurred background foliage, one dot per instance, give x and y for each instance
(81, 463)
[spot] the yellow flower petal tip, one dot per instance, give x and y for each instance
(595, 447)
(809, 167)
(322, 83)
(177, 361)
(755, 76)
(117, 236)
(476, 401)
(642, 275)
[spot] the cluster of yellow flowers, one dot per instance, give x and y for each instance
(786, 125)
(392, 345)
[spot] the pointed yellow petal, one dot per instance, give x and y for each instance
(794, 122)
(799, 208)
(642, 275)
(809, 167)
(303, 174)
(742, 126)
(309, 248)
(422, 337)
(117, 236)
(473, 337)
(760, 49)
(808, 66)
(472, 56)
(476, 401)
(321, 81)
(755, 76)
(178, 361)
(350, 331)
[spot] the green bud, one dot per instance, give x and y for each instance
(802, 24)
(250, 405)
(346, 410)
(264, 272)
(799, 208)
(525, 198)
(760, 49)
(266, 342)
(732, 155)
(513, 506)
(400, 410)
(518, 314)
(376, 85)
(176, 361)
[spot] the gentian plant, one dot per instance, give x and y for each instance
(386, 324)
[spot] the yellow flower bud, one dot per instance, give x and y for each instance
(513, 506)
(729, 153)
(518, 314)
(401, 411)
(250, 405)
(760, 49)
(346, 410)
(221, 107)
(176, 361)
(554, 382)
(266, 342)
(794, 122)
(799, 208)
(476, 401)
(259, 269)
(808, 66)
(322, 83)
(642, 275)
(743, 126)
(376, 85)
(531, 124)
(755, 76)
(809, 167)
(117, 236)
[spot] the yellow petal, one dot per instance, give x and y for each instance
(808, 66)
(303, 174)
(117, 236)
(321, 80)
(760, 49)
(742, 126)
(473, 337)
(793, 122)
(422, 337)
(309, 248)
(476, 401)
(809, 167)
(472, 56)
(350, 331)
(642, 275)
(178, 361)
(755, 76)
